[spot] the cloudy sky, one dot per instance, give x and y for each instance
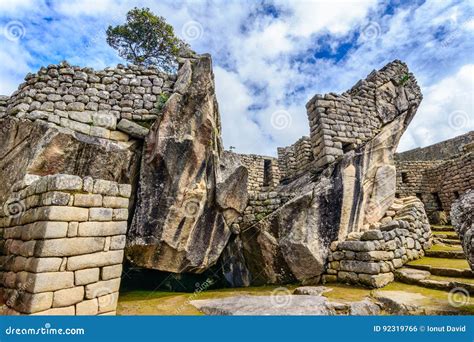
(271, 57)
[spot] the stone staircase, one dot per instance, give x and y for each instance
(444, 266)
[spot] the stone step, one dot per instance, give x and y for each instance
(445, 235)
(425, 279)
(442, 228)
(445, 251)
(444, 271)
(445, 254)
(452, 242)
(445, 247)
(443, 267)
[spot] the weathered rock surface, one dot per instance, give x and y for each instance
(287, 305)
(188, 196)
(351, 195)
(311, 290)
(462, 218)
(407, 303)
(35, 148)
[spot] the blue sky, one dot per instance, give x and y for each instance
(271, 57)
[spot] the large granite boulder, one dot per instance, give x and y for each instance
(28, 147)
(462, 218)
(188, 196)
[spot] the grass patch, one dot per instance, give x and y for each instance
(346, 292)
(436, 298)
(436, 248)
(177, 303)
(461, 280)
(441, 262)
(447, 233)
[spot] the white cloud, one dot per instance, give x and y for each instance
(336, 17)
(9, 7)
(264, 62)
(87, 7)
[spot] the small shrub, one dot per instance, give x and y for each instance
(162, 100)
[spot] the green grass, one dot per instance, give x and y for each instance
(461, 280)
(176, 303)
(441, 262)
(447, 233)
(436, 298)
(435, 248)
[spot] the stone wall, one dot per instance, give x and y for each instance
(437, 183)
(369, 258)
(102, 103)
(463, 221)
(263, 171)
(260, 205)
(450, 180)
(3, 104)
(295, 159)
(440, 151)
(62, 241)
(340, 123)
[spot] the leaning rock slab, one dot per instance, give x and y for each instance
(348, 197)
(185, 206)
(462, 218)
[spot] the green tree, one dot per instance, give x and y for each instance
(146, 39)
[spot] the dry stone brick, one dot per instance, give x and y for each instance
(110, 272)
(88, 200)
(102, 288)
(69, 246)
(95, 260)
(102, 228)
(86, 276)
(68, 297)
(87, 307)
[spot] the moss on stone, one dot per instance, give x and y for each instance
(175, 303)
(178, 303)
(436, 248)
(441, 262)
(435, 298)
(461, 280)
(445, 232)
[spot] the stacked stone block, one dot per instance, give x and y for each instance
(440, 151)
(103, 104)
(255, 165)
(3, 105)
(447, 179)
(369, 258)
(295, 159)
(340, 123)
(62, 241)
(450, 179)
(261, 204)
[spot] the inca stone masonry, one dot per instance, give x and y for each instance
(127, 163)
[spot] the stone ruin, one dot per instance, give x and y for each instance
(127, 163)
(438, 174)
